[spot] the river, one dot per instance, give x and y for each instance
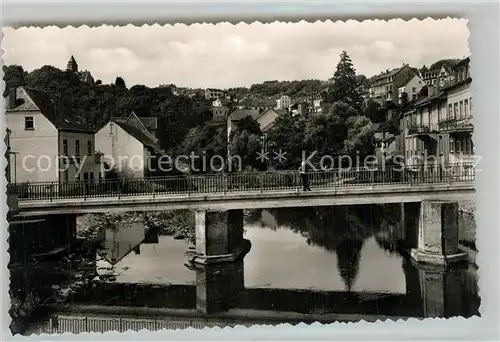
(309, 264)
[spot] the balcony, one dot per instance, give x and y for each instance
(426, 128)
(457, 125)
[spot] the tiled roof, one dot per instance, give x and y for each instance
(428, 99)
(47, 106)
(239, 114)
(139, 135)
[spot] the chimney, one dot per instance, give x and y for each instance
(12, 98)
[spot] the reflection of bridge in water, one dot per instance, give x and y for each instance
(219, 296)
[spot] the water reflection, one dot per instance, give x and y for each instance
(317, 263)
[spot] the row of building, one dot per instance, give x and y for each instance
(438, 123)
(47, 144)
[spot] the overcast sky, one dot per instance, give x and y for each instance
(226, 55)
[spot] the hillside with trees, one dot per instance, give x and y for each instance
(94, 103)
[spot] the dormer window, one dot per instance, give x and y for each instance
(29, 123)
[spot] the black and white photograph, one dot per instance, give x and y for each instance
(176, 176)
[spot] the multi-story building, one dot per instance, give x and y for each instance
(439, 77)
(47, 142)
(420, 127)
(457, 126)
(384, 87)
(439, 125)
(412, 88)
(283, 102)
(212, 94)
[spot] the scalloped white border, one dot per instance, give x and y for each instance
(484, 46)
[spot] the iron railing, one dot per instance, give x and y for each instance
(423, 128)
(246, 181)
(457, 124)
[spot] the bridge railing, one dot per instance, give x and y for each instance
(245, 181)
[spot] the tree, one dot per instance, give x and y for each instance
(245, 143)
(120, 82)
(374, 111)
(344, 84)
(288, 134)
(13, 77)
(405, 100)
(360, 137)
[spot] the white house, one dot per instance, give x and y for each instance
(129, 148)
(47, 144)
(283, 102)
(412, 88)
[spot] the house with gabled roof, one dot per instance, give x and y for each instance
(48, 142)
(384, 87)
(129, 147)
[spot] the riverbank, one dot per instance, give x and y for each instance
(179, 223)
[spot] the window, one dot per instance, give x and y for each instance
(29, 123)
(77, 148)
(91, 176)
(65, 147)
(455, 110)
(450, 111)
(457, 145)
(66, 176)
(461, 112)
(89, 148)
(414, 90)
(466, 108)
(452, 145)
(470, 106)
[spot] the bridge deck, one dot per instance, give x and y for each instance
(247, 190)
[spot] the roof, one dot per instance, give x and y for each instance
(392, 72)
(72, 60)
(258, 102)
(239, 114)
(48, 108)
(139, 135)
(428, 99)
(149, 122)
(387, 73)
(463, 61)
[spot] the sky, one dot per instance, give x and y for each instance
(226, 55)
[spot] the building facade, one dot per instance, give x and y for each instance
(131, 151)
(439, 126)
(458, 125)
(439, 77)
(283, 102)
(384, 87)
(47, 144)
(412, 88)
(212, 94)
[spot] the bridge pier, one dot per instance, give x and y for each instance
(437, 234)
(218, 287)
(219, 236)
(441, 291)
